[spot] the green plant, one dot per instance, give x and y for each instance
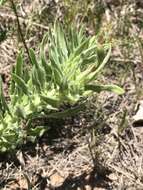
(2, 2)
(64, 75)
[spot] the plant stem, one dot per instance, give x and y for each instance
(19, 28)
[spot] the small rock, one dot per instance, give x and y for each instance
(56, 180)
(112, 177)
(88, 187)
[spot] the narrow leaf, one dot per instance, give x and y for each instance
(35, 79)
(101, 66)
(67, 113)
(98, 88)
(19, 65)
(12, 83)
(20, 83)
(2, 2)
(33, 57)
(51, 101)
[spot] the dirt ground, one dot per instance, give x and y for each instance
(99, 149)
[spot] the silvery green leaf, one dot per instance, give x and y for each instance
(35, 79)
(50, 101)
(41, 76)
(19, 65)
(93, 75)
(60, 39)
(20, 112)
(100, 54)
(111, 88)
(89, 51)
(12, 83)
(57, 77)
(33, 133)
(54, 57)
(88, 60)
(105, 60)
(67, 113)
(26, 74)
(21, 84)
(2, 122)
(47, 68)
(42, 46)
(40, 72)
(81, 37)
(33, 57)
(2, 2)
(84, 76)
(80, 48)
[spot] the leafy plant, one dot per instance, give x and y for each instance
(65, 72)
(2, 2)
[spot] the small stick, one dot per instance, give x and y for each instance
(19, 28)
